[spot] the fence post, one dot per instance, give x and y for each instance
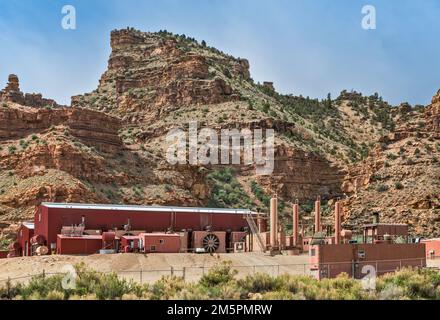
(400, 264)
(255, 268)
(9, 288)
(305, 267)
(352, 269)
(44, 274)
(172, 271)
(278, 270)
(141, 276)
(184, 272)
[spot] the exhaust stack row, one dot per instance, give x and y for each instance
(274, 232)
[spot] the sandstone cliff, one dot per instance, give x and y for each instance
(110, 145)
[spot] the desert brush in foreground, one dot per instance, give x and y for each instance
(221, 283)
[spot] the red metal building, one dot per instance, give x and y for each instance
(160, 242)
(432, 248)
(328, 261)
(24, 238)
(80, 228)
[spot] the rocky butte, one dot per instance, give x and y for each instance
(110, 145)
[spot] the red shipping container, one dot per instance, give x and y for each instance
(130, 242)
(160, 242)
(79, 245)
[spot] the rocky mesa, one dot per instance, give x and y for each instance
(110, 145)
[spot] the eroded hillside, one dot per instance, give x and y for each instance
(110, 145)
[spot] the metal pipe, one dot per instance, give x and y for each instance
(337, 222)
(274, 222)
(262, 223)
(318, 215)
(295, 224)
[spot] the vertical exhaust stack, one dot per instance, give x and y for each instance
(338, 222)
(274, 222)
(376, 218)
(262, 223)
(295, 224)
(318, 215)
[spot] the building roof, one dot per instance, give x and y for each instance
(385, 225)
(29, 225)
(157, 209)
(83, 237)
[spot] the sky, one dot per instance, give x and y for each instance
(307, 47)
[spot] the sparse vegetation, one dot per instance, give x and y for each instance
(227, 191)
(382, 188)
(4, 242)
(12, 149)
(221, 283)
(399, 186)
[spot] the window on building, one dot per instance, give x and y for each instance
(161, 241)
(152, 248)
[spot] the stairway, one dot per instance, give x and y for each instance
(255, 232)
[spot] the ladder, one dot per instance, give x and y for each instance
(254, 230)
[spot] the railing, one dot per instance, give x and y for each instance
(255, 231)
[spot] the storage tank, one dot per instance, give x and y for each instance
(37, 239)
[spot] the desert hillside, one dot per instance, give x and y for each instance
(110, 145)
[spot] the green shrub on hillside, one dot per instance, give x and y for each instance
(226, 191)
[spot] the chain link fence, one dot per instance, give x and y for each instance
(194, 273)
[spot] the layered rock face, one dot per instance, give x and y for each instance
(94, 128)
(110, 146)
(303, 176)
(147, 72)
(400, 178)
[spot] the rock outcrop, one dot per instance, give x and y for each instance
(399, 179)
(110, 145)
(12, 93)
(94, 128)
(147, 72)
(302, 176)
(433, 115)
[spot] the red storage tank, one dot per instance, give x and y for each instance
(37, 239)
(108, 240)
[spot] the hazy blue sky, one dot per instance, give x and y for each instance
(308, 47)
